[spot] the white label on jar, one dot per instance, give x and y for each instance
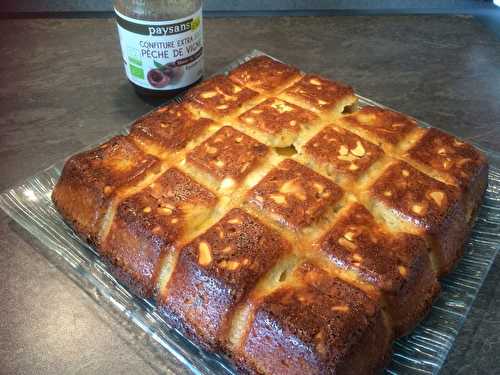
(162, 55)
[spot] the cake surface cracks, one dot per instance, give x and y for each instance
(148, 225)
(217, 270)
(92, 179)
(311, 325)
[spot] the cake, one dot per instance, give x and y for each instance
(275, 221)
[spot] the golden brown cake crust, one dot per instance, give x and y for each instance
(263, 74)
(428, 204)
(219, 96)
(342, 151)
(384, 124)
(228, 153)
(357, 242)
(447, 154)
(226, 210)
(216, 271)
(312, 326)
(318, 92)
(396, 263)
(294, 194)
(172, 127)
(275, 115)
(147, 225)
(414, 196)
(91, 179)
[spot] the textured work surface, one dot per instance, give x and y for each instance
(34, 121)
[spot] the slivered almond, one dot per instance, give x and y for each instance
(164, 211)
(403, 271)
(319, 187)
(437, 196)
(353, 167)
(315, 82)
(366, 118)
(322, 102)
(107, 189)
(235, 220)
(347, 244)
(418, 209)
(281, 107)
(208, 94)
(357, 257)
(341, 308)
(278, 198)
(359, 150)
(349, 157)
(230, 265)
(405, 173)
(204, 254)
(219, 163)
(211, 150)
(222, 106)
(146, 210)
(343, 150)
(349, 236)
(442, 151)
(447, 164)
(293, 187)
(227, 249)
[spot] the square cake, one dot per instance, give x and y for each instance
(274, 221)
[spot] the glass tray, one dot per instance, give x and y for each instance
(422, 352)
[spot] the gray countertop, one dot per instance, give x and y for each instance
(63, 88)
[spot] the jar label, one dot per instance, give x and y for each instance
(162, 55)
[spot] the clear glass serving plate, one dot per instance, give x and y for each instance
(422, 352)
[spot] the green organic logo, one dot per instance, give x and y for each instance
(195, 23)
(136, 71)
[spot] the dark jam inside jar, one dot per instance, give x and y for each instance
(158, 95)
